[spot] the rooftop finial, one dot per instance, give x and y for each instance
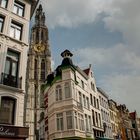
(66, 53)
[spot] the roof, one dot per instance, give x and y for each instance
(102, 92)
(133, 115)
(87, 71)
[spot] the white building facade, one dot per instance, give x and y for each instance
(105, 113)
(114, 119)
(72, 103)
(14, 34)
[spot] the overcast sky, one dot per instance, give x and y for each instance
(104, 33)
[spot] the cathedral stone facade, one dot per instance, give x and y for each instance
(39, 66)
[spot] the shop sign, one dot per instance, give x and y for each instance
(6, 132)
(13, 131)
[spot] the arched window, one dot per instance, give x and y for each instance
(7, 110)
(67, 90)
(42, 77)
(35, 69)
(58, 93)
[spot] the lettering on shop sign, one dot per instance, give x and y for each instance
(6, 132)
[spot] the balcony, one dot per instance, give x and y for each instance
(10, 80)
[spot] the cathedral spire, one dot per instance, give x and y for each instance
(40, 16)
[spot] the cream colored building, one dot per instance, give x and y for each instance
(72, 103)
(14, 34)
(114, 118)
(105, 113)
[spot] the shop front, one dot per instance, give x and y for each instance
(9, 132)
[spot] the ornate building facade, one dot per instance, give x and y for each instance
(15, 16)
(39, 66)
(72, 103)
(103, 97)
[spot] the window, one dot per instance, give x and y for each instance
(84, 100)
(94, 101)
(86, 121)
(96, 116)
(67, 90)
(1, 23)
(7, 110)
(89, 119)
(69, 119)
(15, 31)
(92, 86)
(58, 93)
(97, 103)
(80, 98)
(82, 83)
(35, 69)
(19, 8)
(87, 101)
(3, 3)
(42, 70)
(59, 120)
(91, 100)
(81, 121)
(11, 69)
(100, 120)
(93, 118)
(76, 121)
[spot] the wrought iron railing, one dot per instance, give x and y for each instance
(10, 80)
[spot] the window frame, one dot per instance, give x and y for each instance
(69, 117)
(59, 121)
(14, 28)
(13, 114)
(5, 6)
(2, 19)
(19, 6)
(67, 90)
(58, 93)
(11, 72)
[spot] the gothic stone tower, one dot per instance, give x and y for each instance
(39, 66)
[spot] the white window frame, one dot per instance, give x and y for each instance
(58, 93)
(67, 90)
(16, 30)
(59, 121)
